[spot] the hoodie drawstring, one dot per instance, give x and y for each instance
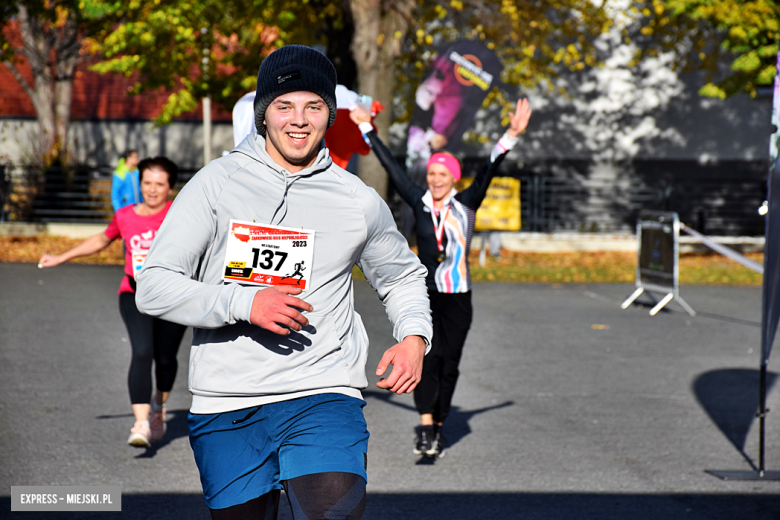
(282, 204)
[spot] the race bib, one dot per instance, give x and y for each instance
(267, 255)
(138, 261)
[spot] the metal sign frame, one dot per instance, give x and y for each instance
(649, 278)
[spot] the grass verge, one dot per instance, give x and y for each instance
(603, 267)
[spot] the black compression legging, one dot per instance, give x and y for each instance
(321, 496)
(152, 340)
(451, 314)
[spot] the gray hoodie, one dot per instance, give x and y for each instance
(234, 364)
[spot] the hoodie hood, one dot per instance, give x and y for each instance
(254, 146)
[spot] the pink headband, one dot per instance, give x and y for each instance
(449, 162)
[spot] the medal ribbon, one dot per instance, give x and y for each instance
(438, 227)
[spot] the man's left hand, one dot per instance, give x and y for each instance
(407, 360)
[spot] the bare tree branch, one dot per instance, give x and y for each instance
(27, 88)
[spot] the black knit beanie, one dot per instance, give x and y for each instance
(293, 68)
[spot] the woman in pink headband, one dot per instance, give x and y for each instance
(444, 225)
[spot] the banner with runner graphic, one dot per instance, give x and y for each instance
(268, 255)
(449, 96)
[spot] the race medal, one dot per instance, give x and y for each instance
(438, 230)
(266, 255)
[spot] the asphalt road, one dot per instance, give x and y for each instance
(567, 408)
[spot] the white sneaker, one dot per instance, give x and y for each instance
(140, 434)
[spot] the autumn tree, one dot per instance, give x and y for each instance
(396, 39)
(48, 35)
(213, 47)
(197, 49)
(706, 33)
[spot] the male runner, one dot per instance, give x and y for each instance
(276, 372)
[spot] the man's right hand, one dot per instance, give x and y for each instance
(275, 309)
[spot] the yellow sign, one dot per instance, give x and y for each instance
(237, 265)
(500, 210)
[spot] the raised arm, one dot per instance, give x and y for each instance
(88, 247)
(518, 121)
(405, 187)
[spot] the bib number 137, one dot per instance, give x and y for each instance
(267, 255)
(267, 258)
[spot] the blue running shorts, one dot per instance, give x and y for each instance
(244, 454)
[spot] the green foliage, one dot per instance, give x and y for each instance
(713, 91)
(704, 32)
(536, 40)
(164, 41)
(48, 34)
(48, 15)
(200, 48)
(212, 48)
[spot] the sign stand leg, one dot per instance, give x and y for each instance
(666, 299)
(482, 253)
(633, 297)
(685, 306)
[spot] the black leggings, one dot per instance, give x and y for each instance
(321, 496)
(451, 314)
(151, 339)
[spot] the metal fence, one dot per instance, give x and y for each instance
(78, 194)
(716, 199)
(569, 195)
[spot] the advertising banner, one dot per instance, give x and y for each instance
(771, 291)
(658, 236)
(771, 296)
(657, 266)
(500, 209)
(453, 89)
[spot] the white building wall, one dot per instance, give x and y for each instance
(100, 143)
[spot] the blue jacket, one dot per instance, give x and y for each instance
(125, 187)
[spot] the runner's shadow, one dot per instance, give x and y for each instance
(177, 427)
(114, 416)
(730, 398)
(456, 427)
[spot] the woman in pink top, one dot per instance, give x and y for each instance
(151, 339)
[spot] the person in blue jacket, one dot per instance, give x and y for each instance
(125, 185)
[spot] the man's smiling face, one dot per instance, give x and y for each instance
(295, 126)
